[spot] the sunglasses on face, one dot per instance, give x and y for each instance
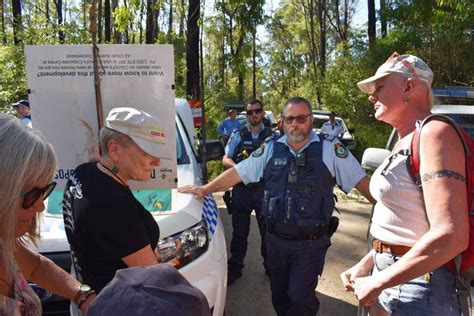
(256, 111)
(30, 197)
(299, 118)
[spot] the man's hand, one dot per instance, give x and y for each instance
(197, 191)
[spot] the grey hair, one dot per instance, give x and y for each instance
(26, 159)
(107, 134)
(297, 99)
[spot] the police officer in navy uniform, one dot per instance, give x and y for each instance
(245, 198)
(332, 127)
(300, 170)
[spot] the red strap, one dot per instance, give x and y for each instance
(414, 165)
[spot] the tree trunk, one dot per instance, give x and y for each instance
(127, 39)
(149, 22)
(371, 22)
(59, 12)
(4, 36)
(17, 26)
(99, 21)
(181, 20)
(322, 36)
(170, 18)
(107, 21)
(140, 25)
(117, 35)
(46, 12)
(223, 63)
(254, 66)
(192, 50)
(156, 26)
(84, 14)
(383, 17)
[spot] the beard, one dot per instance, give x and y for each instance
(255, 122)
(295, 134)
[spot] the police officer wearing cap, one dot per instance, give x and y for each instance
(299, 171)
(332, 128)
(245, 198)
(22, 108)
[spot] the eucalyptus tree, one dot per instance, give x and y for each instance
(239, 21)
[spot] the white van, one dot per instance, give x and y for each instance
(197, 224)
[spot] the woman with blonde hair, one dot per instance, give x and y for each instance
(27, 165)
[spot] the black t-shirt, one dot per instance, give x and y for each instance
(104, 223)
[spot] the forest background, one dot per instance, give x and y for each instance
(308, 48)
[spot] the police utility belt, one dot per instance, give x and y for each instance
(293, 232)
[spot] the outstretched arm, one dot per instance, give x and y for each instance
(226, 180)
(363, 187)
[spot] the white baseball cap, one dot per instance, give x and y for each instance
(144, 129)
(403, 65)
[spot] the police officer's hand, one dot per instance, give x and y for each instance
(197, 191)
(367, 289)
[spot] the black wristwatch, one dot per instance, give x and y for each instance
(84, 292)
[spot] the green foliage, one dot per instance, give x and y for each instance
(122, 15)
(13, 77)
(344, 97)
(439, 31)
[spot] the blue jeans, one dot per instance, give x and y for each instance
(294, 269)
(431, 294)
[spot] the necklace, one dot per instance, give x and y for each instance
(114, 175)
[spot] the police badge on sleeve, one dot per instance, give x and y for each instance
(259, 151)
(340, 150)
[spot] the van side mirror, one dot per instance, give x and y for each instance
(373, 158)
(351, 130)
(214, 150)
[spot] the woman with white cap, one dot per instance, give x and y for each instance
(107, 228)
(416, 232)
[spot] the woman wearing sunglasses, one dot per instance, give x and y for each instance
(27, 165)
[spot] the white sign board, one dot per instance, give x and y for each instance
(63, 106)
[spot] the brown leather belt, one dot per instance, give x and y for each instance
(380, 247)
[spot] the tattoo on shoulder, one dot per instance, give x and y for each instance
(443, 173)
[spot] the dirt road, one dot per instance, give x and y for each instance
(250, 295)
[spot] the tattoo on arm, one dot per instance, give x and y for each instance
(443, 173)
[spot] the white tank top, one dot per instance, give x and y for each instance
(399, 215)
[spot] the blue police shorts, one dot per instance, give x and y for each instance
(431, 294)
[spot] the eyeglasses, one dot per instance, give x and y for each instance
(256, 111)
(299, 118)
(30, 197)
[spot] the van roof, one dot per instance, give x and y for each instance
(454, 109)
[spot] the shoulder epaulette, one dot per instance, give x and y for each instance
(327, 137)
(271, 138)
